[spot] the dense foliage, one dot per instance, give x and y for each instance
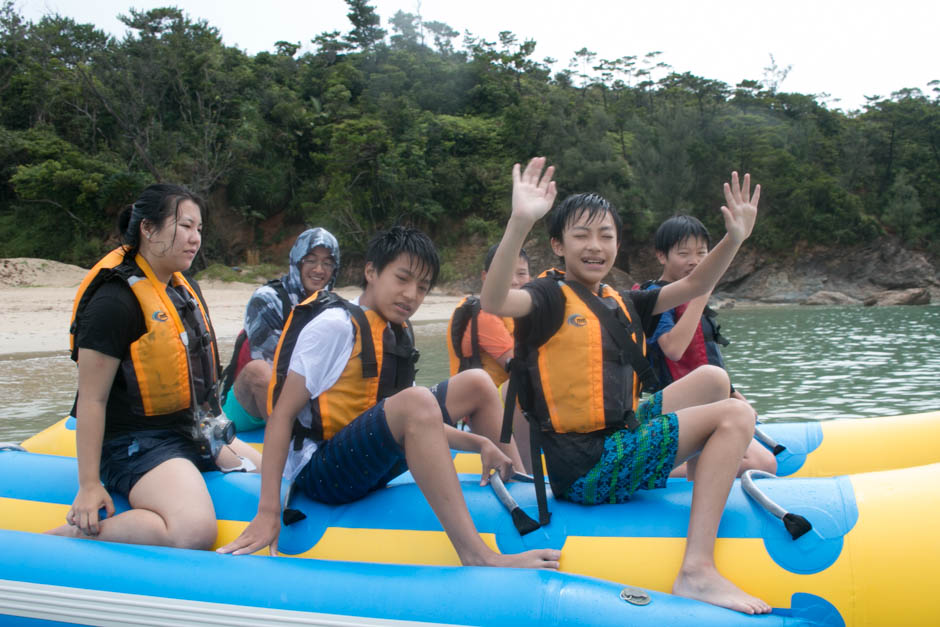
(410, 124)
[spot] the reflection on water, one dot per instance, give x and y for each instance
(792, 363)
(807, 363)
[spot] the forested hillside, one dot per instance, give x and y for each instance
(421, 124)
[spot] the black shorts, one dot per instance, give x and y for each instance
(127, 458)
(362, 457)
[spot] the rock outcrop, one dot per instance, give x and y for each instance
(824, 297)
(913, 296)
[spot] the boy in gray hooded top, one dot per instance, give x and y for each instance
(314, 264)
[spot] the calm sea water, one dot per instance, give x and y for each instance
(792, 363)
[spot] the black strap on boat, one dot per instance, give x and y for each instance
(761, 436)
(522, 521)
(795, 524)
(290, 515)
(630, 350)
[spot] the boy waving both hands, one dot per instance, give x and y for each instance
(583, 345)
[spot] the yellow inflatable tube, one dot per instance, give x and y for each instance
(812, 449)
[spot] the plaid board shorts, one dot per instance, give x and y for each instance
(632, 460)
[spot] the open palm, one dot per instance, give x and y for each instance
(533, 191)
(741, 209)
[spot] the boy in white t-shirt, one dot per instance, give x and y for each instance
(347, 418)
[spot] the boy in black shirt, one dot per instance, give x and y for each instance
(583, 345)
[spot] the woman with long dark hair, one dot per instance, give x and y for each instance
(146, 408)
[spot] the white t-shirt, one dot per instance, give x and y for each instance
(322, 350)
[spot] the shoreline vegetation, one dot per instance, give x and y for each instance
(405, 120)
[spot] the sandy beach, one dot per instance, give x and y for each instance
(36, 305)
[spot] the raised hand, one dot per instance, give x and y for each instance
(533, 191)
(741, 209)
(261, 532)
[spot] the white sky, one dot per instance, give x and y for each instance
(845, 48)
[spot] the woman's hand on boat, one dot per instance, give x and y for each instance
(262, 531)
(492, 460)
(88, 502)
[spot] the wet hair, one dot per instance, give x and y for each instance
(492, 253)
(576, 205)
(676, 230)
(386, 247)
(156, 204)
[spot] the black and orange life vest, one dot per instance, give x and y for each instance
(381, 364)
(157, 366)
(467, 314)
(588, 375)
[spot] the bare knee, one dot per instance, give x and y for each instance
(737, 417)
(757, 457)
(714, 381)
(255, 375)
(474, 381)
(412, 410)
(193, 532)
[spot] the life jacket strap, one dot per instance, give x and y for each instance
(299, 433)
(370, 364)
(535, 442)
(467, 314)
(617, 326)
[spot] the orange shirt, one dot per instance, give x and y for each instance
(495, 339)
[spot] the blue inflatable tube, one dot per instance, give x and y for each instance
(49, 580)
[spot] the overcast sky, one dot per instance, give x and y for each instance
(848, 49)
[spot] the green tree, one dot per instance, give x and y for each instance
(366, 32)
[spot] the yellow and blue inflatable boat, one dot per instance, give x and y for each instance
(810, 449)
(868, 559)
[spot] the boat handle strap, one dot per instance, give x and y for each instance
(795, 524)
(523, 522)
(775, 447)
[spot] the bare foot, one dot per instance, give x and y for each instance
(536, 558)
(707, 584)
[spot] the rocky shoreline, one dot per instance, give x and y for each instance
(876, 274)
(882, 273)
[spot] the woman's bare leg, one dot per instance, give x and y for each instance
(171, 507)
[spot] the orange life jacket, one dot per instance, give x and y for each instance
(588, 375)
(156, 368)
(466, 314)
(381, 364)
